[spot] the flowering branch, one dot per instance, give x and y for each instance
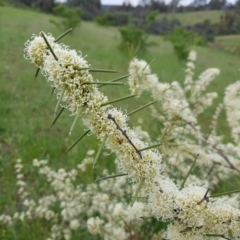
(124, 134)
(164, 198)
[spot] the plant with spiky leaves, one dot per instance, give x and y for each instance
(192, 213)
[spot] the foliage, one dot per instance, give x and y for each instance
(204, 29)
(149, 19)
(161, 6)
(217, 4)
(152, 17)
(163, 26)
(113, 19)
(22, 96)
(69, 205)
(43, 5)
(90, 8)
(229, 23)
(230, 44)
(182, 41)
(72, 17)
(132, 38)
(89, 3)
(106, 19)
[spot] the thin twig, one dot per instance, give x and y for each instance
(219, 151)
(112, 176)
(124, 134)
(205, 197)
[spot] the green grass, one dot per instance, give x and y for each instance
(230, 43)
(26, 104)
(190, 18)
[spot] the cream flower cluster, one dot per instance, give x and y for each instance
(36, 49)
(141, 79)
(196, 89)
(69, 77)
(139, 73)
(67, 206)
(180, 119)
(194, 214)
(231, 102)
(69, 74)
(189, 71)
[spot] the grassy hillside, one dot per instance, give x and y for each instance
(26, 109)
(190, 18)
(229, 43)
(26, 105)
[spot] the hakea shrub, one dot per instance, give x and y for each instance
(231, 102)
(190, 211)
(178, 111)
(67, 206)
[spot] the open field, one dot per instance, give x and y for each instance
(190, 18)
(26, 104)
(229, 43)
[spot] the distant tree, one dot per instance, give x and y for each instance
(71, 17)
(229, 22)
(43, 5)
(46, 5)
(90, 8)
(144, 2)
(127, 2)
(84, 3)
(199, 4)
(174, 4)
(18, 3)
(183, 40)
(132, 39)
(159, 5)
(237, 5)
(217, 4)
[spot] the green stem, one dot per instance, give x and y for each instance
(118, 100)
(217, 235)
(153, 146)
(81, 69)
(80, 138)
(137, 192)
(56, 118)
(105, 83)
(190, 170)
(134, 111)
(100, 150)
(74, 121)
(37, 72)
(63, 35)
(50, 48)
(148, 63)
(103, 70)
(225, 193)
(59, 100)
(115, 80)
(53, 90)
(112, 176)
